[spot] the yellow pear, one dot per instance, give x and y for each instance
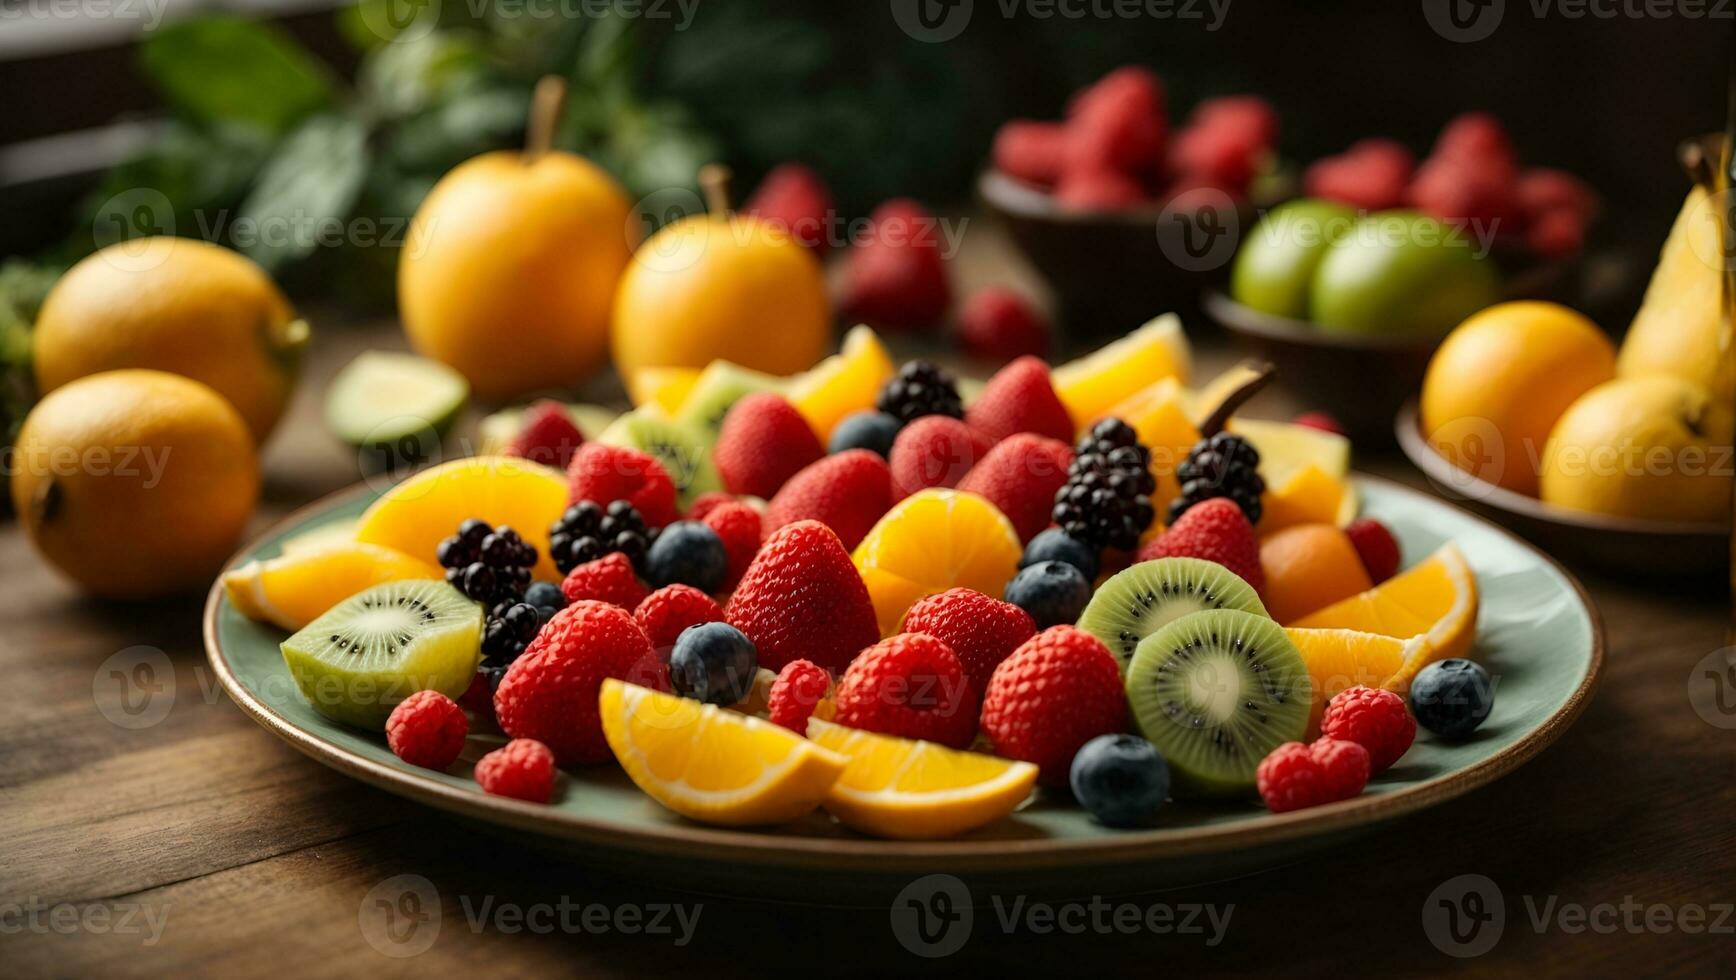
(1676, 331)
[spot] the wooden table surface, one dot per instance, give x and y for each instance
(152, 828)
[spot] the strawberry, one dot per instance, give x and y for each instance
(847, 492)
(1030, 151)
(547, 436)
(798, 690)
(1372, 175)
(1477, 138)
(911, 686)
(801, 598)
(1213, 530)
(1020, 476)
(550, 692)
(997, 324)
(895, 278)
(1377, 548)
(934, 451)
(605, 474)
(1099, 190)
(793, 200)
(983, 631)
(763, 442)
(1019, 398)
(1462, 191)
(739, 527)
(609, 579)
(1118, 125)
(1057, 691)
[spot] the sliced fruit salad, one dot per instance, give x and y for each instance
(875, 591)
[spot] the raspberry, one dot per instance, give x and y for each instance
(427, 729)
(895, 278)
(793, 200)
(1373, 175)
(547, 435)
(1377, 548)
(523, 769)
(1225, 142)
(934, 451)
(605, 474)
(1377, 720)
(802, 599)
(1098, 190)
(912, 686)
(1021, 476)
(1324, 421)
(1477, 138)
(609, 579)
(997, 324)
(1556, 234)
(981, 630)
(763, 442)
(1294, 776)
(739, 527)
(799, 687)
(848, 492)
(1541, 191)
(550, 692)
(1215, 530)
(1464, 193)
(1030, 151)
(665, 613)
(1057, 691)
(708, 501)
(1117, 125)
(1020, 398)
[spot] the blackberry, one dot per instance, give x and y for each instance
(1225, 465)
(920, 388)
(510, 627)
(587, 532)
(1106, 501)
(487, 564)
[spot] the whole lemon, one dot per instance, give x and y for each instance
(1497, 385)
(135, 483)
(510, 267)
(177, 305)
(1654, 447)
(711, 287)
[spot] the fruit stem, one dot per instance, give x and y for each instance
(546, 104)
(1260, 374)
(714, 181)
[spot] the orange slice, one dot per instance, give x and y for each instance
(1436, 599)
(293, 590)
(846, 382)
(932, 541)
(1093, 384)
(1309, 496)
(415, 515)
(1339, 659)
(665, 388)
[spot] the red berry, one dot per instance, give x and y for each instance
(1020, 398)
(605, 474)
(912, 686)
(1541, 191)
(1057, 691)
(1021, 476)
(896, 278)
(550, 692)
(1099, 190)
(1377, 548)
(547, 435)
(762, 443)
(794, 201)
(848, 492)
(1295, 776)
(665, 613)
(427, 729)
(1030, 151)
(609, 579)
(1373, 175)
(1377, 720)
(1215, 530)
(983, 631)
(739, 527)
(802, 599)
(799, 687)
(997, 324)
(1477, 138)
(1345, 766)
(523, 769)
(934, 451)
(1117, 125)
(1324, 421)
(1556, 234)
(1225, 142)
(707, 501)
(1465, 193)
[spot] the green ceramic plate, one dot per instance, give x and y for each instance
(1538, 632)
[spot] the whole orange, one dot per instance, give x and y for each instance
(1499, 382)
(1309, 567)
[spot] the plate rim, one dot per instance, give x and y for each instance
(691, 840)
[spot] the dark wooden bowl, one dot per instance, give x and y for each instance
(1626, 546)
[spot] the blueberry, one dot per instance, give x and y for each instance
(1057, 545)
(714, 663)
(1452, 697)
(545, 594)
(873, 431)
(1053, 592)
(688, 553)
(1121, 779)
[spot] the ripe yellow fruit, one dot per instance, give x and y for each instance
(135, 483)
(416, 515)
(846, 382)
(510, 268)
(293, 590)
(175, 305)
(1676, 331)
(931, 541)
(711, 288)
(1498, 384)
(1435, 599)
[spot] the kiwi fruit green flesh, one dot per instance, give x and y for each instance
(682, 450)
(379, 646)
(395, 407)
(1216, 692)
(1141, 599)
(719, 386)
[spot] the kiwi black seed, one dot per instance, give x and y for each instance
(1143, 598)
(1216, 692)
(684, 451)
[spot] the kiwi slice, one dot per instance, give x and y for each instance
(1215, 692)
(394, 407)
(716, 391)
(682, 450)
(378, 647)
(1141, 599)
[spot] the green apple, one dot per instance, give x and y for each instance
(1401, 273)
(1275, 267)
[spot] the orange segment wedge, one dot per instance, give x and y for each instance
(1093, 384)
(914, 790)
(711, 764)
(932, 541)
(415, 515)
(1436, 599)
(1309, 496)
(293, 590)
(665, 388)
(846, 382)
(1339, 659)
